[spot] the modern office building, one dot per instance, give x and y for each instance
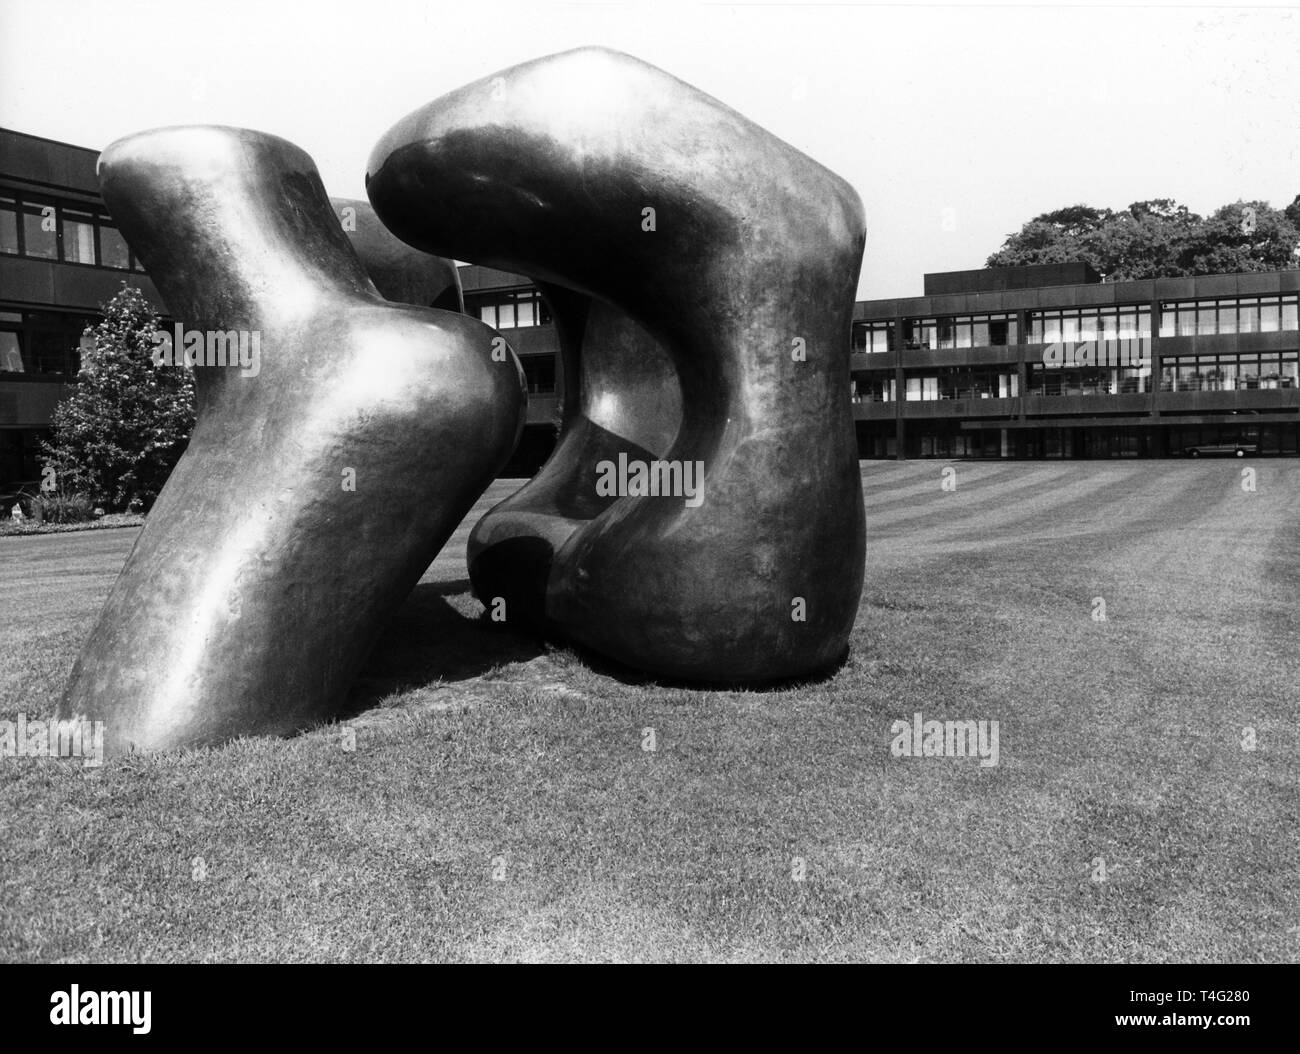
(60, 258)
(1050, 361)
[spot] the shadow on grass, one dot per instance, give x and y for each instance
(429, 640)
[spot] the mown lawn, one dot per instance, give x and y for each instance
(499, 804)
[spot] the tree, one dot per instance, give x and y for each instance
(1158, 238)
(125, 423)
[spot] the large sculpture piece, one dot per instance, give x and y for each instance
(325, 471)
(702, 275)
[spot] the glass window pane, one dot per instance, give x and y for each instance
(505, 316)
(1186, 320)
(488, 314)
(39, 234)
(1248, 316)
(947, 333)
(1205, 323)
(11, 356)
(1291, 372)
(980, 334)
(78, 237)
(8, 226)
(1290, 315)
(1269, 316)
(1088, 329)
(112, 248)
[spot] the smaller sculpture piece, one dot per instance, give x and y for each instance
(340, 440)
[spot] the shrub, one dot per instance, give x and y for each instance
(64, 507)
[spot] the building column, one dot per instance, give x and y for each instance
(900, 393)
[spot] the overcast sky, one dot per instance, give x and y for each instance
(996, 113)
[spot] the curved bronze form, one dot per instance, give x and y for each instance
(400, 273)
(702, 274)
(317, 487)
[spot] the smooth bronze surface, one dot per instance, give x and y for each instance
(702, 275)
(400, 273)
(317, 487)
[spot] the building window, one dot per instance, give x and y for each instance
(8, 225)
(1192, 318)
(960, 331)
(40, 231)
(41, 342)
(1230, 373)
(872, 337)
(515, 310)
(11, 352)
(66, 230)
(78, 237)
(112, 249)
(1080, 325)
(874, 388)
(1089, 380)
(962, 382)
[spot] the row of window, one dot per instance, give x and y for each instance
(41, 342)
(955, 383)
(1202, 373)
(512, 310)
(1076, 325)
(1261, 314)
(1229, 373)
(946, 439)
(1088, 380)
(72, 232)
(962, 331)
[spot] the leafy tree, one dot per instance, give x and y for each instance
(1245, 236)
(125, 423)
(1158, 238)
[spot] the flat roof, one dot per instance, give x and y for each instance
(1144, 291)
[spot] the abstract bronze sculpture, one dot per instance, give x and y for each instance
(320, 480)
(701, 517)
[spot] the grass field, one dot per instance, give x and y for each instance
(499, 804)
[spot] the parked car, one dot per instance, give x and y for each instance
(1221, 450)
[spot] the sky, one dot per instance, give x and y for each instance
(955, 123)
